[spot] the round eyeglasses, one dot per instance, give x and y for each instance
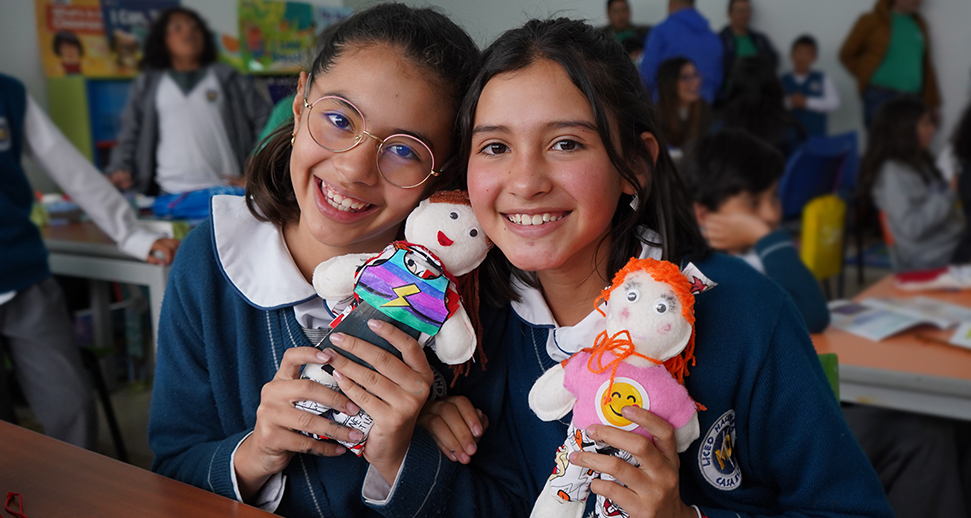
(337, 125)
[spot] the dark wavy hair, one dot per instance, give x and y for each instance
(605, 75)
(430, 40)
(756, 102)
(156, 52)
(961, 140)
(893, 136)
(669, 105)
(727, 163)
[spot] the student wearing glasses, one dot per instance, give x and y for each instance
(372, 135)
(684, 114)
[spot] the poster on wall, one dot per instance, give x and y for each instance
(94, 38)
(278, 36)
(126, 25)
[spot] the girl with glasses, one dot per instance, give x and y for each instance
(569, 179)
(684, 115)
(372, 134)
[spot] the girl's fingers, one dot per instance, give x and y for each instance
(390, 375)
(444, 437)
(624, 497)
(663, 432)
(459, 427)
(412, 354)
(294, 359)
(473, 417)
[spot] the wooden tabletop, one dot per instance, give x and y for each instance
(56, 479)
(904, 352)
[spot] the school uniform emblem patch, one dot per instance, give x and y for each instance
(4, 134)
(717, 460)
(211, 95)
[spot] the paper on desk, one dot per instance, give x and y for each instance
(962, 336)
(878, 318)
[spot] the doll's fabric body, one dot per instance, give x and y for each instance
(653, 388)
(395, 284)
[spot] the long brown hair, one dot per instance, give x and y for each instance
(605, 75)
(676, 132)
(893, 136)
(427, 38)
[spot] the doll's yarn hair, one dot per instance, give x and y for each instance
(468, 285)
(668, 273)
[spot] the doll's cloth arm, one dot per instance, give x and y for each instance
(334, 278)
(548, 398)
(455, 341)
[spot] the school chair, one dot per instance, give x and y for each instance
(823, 226)
(821, 166)
(831, 368)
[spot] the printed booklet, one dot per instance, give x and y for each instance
(877, 318)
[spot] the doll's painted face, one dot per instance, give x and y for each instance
(652, 313)
(451, 232)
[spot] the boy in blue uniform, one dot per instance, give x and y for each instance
(810, 94)
(734, 179)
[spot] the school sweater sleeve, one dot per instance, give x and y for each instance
(795, 430)
(783, 265)
(913, 209)
(829, 102)
(84, 184)
(123, 154)
(185, 430)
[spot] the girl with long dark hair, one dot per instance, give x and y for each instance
(899, 173)
(684, 115)
(190, 122)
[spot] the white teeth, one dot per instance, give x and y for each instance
(341, 202)
(533, 219)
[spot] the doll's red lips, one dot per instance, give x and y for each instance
(443, 239)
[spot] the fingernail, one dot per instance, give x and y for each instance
(340, 450)
(464, 458)
(337, 337)
(375, 324)
(627, 411)
(351, 409)
(477, 431)
(325, 356)
(338, 375)
(470, 449)
(573, 457)
(355, 435)
(591, 431)
(451, 455)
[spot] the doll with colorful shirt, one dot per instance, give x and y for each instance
(414, 284)
(635, 361)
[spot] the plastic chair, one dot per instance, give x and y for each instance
(820, 166)
(831, 368)
(823, 225)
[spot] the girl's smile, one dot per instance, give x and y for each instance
(540, 180)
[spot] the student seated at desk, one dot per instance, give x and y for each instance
(734, 178)
(34, 324)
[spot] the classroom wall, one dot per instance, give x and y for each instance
(782, 20)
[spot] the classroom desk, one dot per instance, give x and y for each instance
(906, 371)
(83, 250)
(56, 480)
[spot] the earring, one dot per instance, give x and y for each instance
(293, 136)
(635, 202)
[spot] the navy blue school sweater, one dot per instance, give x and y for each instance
(813, 121)
(23, 258)
(773, 441)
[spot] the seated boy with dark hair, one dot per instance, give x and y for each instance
(734, 179)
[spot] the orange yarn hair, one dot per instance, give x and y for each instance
(668, 273)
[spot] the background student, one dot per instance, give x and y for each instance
(620, 27)
(734, 178)
(190, 122)
(35, 327)
(241, 316)
(741, 41)
(684, 115)
(888, 52)
(810, 94)
(537, 146)
(685, 32)
(756, 103)
(899, 174)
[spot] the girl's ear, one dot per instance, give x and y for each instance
(641, 170)
(298, 101)
(701, 213)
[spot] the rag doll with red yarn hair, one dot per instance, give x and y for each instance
(640, 360)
